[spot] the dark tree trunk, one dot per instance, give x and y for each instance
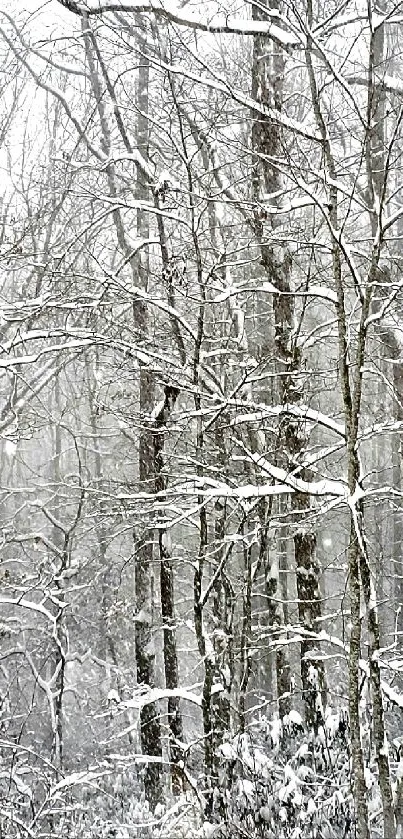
(150, 725)
(267, 87)
(167, 594)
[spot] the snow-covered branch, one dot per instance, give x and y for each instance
(219, 24)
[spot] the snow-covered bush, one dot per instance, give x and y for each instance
(289, 784)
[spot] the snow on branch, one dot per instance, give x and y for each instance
(295, 635)
(218, 24)
(223, 86)
(39, 608)
(87, 776)
(322, 292)
(324, 487)
(151, 695)
(301, 411)
(389, 84)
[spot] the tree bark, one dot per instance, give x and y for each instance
(167, 594)
(150, 726)
(267, 87)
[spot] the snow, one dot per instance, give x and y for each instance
(150, 695)
(229, 291)
(294, 718)
(227, 751)
(323, 487)
(216, 24)
(287, 483)
(302, 411)
(291, 791)
(143, 616)
(247, 789)
(372, 604)
(311, 807)
(378, 20)
(294, 204)
(10, 448)
(28, 604)
(113, 696)
(166, 541)
(301, 128)
(318, 291)
(77, 779)
(332, 724)
(22, 787)
(134, 157)
(166, 182)
(209, 830)
(369, 779)
(265, 814)
(276, 732)
(157, 410)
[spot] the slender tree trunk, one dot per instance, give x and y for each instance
(203, 642)
(167, 593)
(275, 609)
(376, 184)
(150, 727)
(397, 456)
(351, 385)
(159, 426)
(267, 87)
(61, 635)
(223, 615)
(245, 635)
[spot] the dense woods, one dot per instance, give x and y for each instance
(201, 368)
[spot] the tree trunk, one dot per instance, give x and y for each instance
(267, 87)
(376, 185)
(275, 610)
(167, 594)
(150, 727)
